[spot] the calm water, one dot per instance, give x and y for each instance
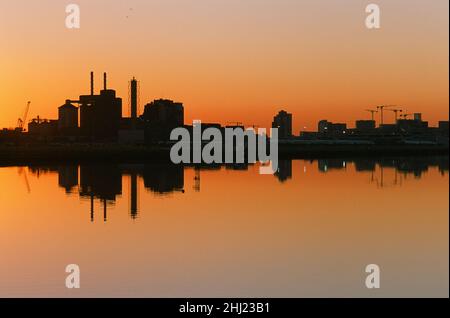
(155, 230)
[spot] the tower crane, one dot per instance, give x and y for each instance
(396, 111)
(21, 121)
(372, 112)
(381, 109)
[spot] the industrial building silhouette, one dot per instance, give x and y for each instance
(99, 118)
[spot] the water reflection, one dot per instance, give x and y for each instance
(284, 172)
(103, 182)
(403, 167)
(307, 231)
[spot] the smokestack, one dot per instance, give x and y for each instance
(133, 98)
(92, 83)
(104, 81)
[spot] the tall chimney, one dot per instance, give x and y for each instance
(104, 81)
(92, 83)
(133, 98)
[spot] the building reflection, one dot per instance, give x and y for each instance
(402, 167)
(326, 165)
(284, 171)
(365, 165)
(164, 178)
(68, 177)
(102, 183)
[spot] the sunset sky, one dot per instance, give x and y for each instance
(230, 60)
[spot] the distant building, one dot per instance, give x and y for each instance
(329, 128)
(365, 125)
(283, 121)
(68, 119)
(100, 115)
(43, 127)
(161, 117)
(413, 126)
(164, 112)
(10, 135)
(389, 129)
(443, 128)
(322, 126)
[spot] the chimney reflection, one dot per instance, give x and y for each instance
(100, 181)
(103, 182)
(133, 195)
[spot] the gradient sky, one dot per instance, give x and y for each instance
(230, 60)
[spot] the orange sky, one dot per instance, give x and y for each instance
(230, 60)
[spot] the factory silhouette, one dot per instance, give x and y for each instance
(99, 118)
(104, 182)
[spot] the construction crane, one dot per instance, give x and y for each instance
(372, 112)
(381, 109)
(21, 121)
(396, 111)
